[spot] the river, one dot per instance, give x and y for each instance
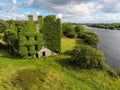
(110, 45)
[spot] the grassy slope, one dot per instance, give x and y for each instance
(53, 74)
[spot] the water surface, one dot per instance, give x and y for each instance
(110, 45)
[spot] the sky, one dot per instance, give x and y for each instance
(75, 11)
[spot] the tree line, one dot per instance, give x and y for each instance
(106, 26)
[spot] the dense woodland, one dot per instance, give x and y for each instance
(106, 26)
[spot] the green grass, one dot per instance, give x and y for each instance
(52, 73)
(67, 44)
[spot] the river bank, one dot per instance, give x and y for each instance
(110, 45)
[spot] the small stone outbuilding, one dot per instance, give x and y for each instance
(45, 52)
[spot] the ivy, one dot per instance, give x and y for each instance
(52, 33)
(29, 39)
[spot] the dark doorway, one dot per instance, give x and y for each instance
(43, 53)
(36, 55)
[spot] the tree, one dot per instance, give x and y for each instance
(90, 38)
(78, 28)
(10, 36)
(68, 30)
(87, 57)
(3, 26)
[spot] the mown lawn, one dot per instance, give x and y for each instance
(52, 73)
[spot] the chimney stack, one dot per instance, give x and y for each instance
(30, 17)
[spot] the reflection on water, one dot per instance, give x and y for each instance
(110, 45)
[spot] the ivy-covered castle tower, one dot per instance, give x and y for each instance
(40, 38)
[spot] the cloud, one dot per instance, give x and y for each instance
(14, 16)
(2, 6)
(59, 15)
(67, 10)
(83, 9)
(30, 2)
(110, 6)
(37, 13)
(14, 2)
(52, 4)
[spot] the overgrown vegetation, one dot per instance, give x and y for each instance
(90, 38)
(52, 33)
(87, 57)
(26, 38)
(83, 68)
(68, 30)
(53, 73)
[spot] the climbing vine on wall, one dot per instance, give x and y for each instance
(52, 33)
(30, 42)
(30, 39)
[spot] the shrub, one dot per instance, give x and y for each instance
(68, 30)
(87, 57)
(10, 36)
(91, 38)
(3, 46)
(118, 72)
(3, 26)
(78, 28)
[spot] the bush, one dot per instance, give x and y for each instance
(87, 57)
(3, 26)
(79, 28)
(118, 72)
(10, 36)
(91, 38)
(68, 30)
(3, 46)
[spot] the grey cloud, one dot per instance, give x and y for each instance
(2, 6)
(64, 2)
(52, 4)
(110, 6)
